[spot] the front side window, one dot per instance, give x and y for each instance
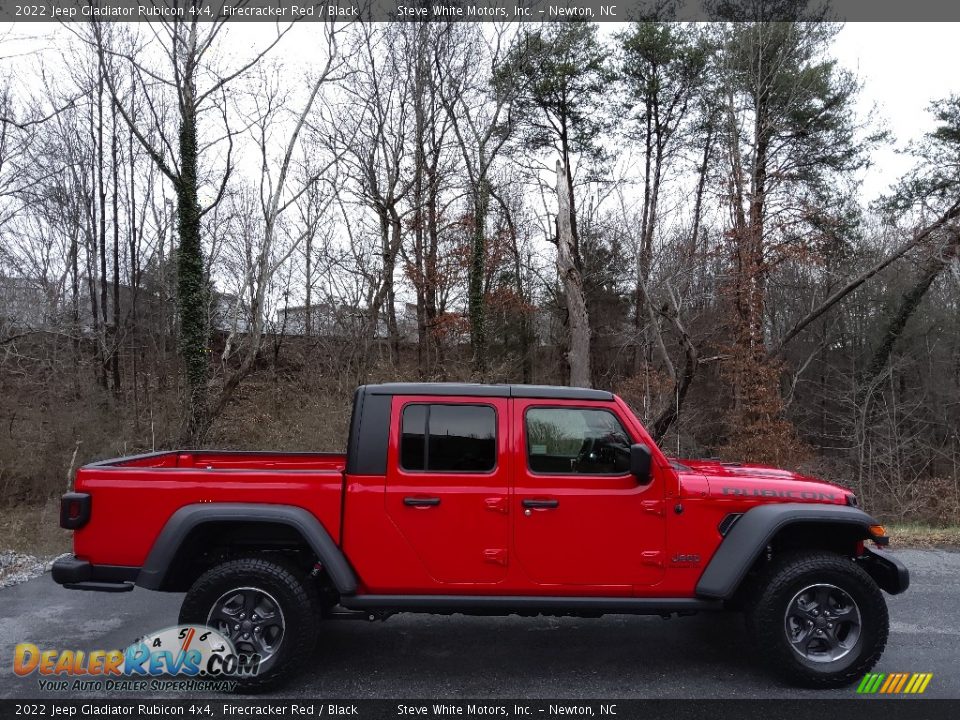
(576, 441)
(451, 438)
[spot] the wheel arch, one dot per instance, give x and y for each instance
(783, 526)
(194, 529)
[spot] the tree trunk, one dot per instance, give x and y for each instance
(934, 265)
(431, 278)
(102, 234)
(578, 320)
(192, 292)
(477, 311)
(753, 279)
(389, 266)
(644, 251)
(701, 186)
(526, 342)
(115, 332)
(135, 274)
(671, 411)
(308, 290)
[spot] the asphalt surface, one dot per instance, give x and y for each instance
(422, 656)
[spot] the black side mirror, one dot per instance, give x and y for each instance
(640, 459)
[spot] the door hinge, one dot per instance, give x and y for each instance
(651, 557)
(497, 556)
(497, 504)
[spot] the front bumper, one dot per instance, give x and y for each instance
(76, 574)
(886, 570)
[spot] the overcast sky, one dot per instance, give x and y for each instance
(903, 66)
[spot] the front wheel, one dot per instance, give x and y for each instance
(264, 607)
(818, 619)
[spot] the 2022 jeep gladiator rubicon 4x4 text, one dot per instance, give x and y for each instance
(486, 499)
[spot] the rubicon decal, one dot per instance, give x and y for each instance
(894, 683)
(818, 495)
(189, 650)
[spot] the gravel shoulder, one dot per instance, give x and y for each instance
(17, 567)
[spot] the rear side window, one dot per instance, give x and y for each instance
(451, 438)
(576, 441)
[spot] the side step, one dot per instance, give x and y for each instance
(528, 604)
(101, 586)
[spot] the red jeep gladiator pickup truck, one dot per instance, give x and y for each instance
(486, 499)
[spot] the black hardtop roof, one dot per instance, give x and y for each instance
(547, 392)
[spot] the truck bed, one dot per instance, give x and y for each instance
(119, 533)
(229, 460)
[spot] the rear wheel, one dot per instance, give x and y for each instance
(265, 607)
(818, 619)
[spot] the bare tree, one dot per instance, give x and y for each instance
(197, 81)
(479, 110)
(578, 353)
(278, 193)
(373, 149)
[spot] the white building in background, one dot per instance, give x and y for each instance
(343, 321)
(24, 303)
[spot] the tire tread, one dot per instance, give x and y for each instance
(765, 617)
(302, 632)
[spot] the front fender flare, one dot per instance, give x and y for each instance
(178, 527)
(752, 533)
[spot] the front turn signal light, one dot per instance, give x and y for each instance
(879, 534)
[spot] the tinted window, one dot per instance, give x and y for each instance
(452, 438)
(412, 437)
(576, 441)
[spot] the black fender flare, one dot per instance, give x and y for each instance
(178, 527)
(751, 534)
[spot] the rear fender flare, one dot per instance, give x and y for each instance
(751, 534)
(184, 520)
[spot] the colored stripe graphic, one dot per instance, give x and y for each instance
(894, 683)
(870, 683)
(903, 681)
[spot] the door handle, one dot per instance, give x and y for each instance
(421, 501)
(541, 504)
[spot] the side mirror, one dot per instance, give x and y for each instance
(640, 459)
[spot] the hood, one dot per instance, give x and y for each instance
(759, 482)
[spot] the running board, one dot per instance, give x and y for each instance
(511, 604)
(113, 587)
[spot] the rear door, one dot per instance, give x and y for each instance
(580, 516)
(447, 485)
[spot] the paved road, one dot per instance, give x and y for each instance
(413, 656)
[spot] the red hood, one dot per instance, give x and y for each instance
(760, 482)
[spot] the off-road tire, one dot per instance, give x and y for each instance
(776, 589)
(296, 596)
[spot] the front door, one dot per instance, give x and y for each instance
(447, 486)
(580, 516)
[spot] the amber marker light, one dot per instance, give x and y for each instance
(879, 534)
